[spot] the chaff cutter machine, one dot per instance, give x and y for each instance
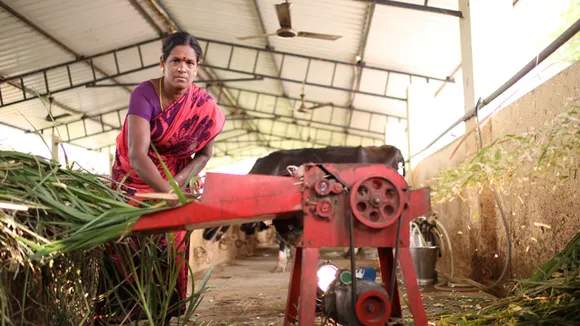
(335, 205)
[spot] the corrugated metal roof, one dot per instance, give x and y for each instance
(444, 4)
(73, 22)
(413, 41)
(336, 17)
(219, 20)
(223, 20)
(398, 39)
(23, 50)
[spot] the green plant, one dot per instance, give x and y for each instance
(56, 225)
(570, 51)
(550, 154)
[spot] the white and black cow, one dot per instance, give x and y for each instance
(277, 163)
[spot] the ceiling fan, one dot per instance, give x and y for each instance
(49, 117)
(304, 109)
(286, 31)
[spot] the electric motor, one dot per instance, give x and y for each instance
(372, 305)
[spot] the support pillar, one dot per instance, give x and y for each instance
(485, 39)
(485, 55)
(54, 146)
(396, 135)
(421, 118)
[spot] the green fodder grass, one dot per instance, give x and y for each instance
(55, 224)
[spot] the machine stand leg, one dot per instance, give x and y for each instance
(301, 301)
(413, 291)
(294, 289)
(386, 262)
(308, 284)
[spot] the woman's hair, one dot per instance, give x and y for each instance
(180, 38)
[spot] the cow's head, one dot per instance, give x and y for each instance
(390, 156)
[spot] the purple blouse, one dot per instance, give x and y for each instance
(144, 101)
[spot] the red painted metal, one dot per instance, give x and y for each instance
(373, 308)
(325, 196)
(376, 202)
(227, 200)
(386, 263)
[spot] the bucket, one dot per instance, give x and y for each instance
(424, 260)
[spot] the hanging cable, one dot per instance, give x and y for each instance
(444, 286)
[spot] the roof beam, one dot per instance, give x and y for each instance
(146, 16)
(91, 80)
(41, 31)
(27, 131)
(278, 98)
(174, 25)
(289, 134)
(44, 33)
(268, 45)
(65, 128)
(280, 112)
(425, 7)
(208, 82)
(218, 140)
(27, 90)
(251, 114)
(320, 59)
(360, 60)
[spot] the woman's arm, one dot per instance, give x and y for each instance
(198, 162)
(139, 140)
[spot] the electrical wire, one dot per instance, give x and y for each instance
(444, 285)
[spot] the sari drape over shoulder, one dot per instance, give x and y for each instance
(181, 130)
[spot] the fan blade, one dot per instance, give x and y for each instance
(56, 117)
(283, 11)
(255, 36)
(321, 105)
(319, 36)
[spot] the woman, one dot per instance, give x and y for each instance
(176, 117)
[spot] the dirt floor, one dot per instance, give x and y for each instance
(246, 292)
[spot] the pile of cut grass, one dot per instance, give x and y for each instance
(54, 225)
(551, 296)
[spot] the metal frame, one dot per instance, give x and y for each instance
(534, 62)
(277, 113)
(42, 73)
(356, 78)
(53, 39)
(268, 136)
(424, 7)
(43, 76)
(323, 215)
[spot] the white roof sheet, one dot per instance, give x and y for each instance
(398, 39)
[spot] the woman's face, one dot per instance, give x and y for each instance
(180, 67)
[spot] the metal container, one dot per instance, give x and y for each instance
(424, 260)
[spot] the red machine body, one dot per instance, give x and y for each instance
(326, 196)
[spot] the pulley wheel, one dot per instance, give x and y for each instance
(373, 308)
(376, 202)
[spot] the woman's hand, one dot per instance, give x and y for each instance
(173, 202)
(196, 165)
(197, 186)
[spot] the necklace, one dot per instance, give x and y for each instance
(161, 93)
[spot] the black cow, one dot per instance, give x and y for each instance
(277, 163)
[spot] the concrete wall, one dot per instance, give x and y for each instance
(483, 235)
(205, 254)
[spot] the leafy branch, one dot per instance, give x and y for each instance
(550, 154)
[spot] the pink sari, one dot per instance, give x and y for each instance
(181, 130)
